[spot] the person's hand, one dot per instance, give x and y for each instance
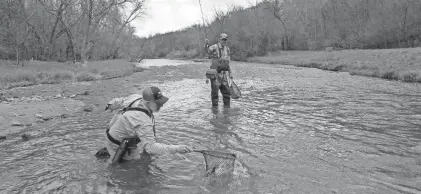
(182, 149)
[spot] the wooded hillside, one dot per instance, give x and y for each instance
(299, 25)
(80, 30)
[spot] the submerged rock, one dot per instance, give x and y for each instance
(88, 108)
(57, 96)
(103, 153)
(47, 118)
(42, 117)
(25, 137)
(17, 124)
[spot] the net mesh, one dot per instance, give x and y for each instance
(218, 163)
(235, 91)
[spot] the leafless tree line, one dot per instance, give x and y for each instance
(80, 30)
(68, 30)
(299, 25)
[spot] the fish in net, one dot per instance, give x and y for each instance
(218, 163)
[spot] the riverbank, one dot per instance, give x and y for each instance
(391, 64)
(41, 72)
(42, 91)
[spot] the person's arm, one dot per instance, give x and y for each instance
(211, 50)
(229, 53)
(143, 127)
(229, 70)
(206, 45)
(154, 148)
(229, 62)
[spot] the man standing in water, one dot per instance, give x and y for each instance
(219, 71)
(135, 121)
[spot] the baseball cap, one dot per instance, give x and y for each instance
(223, 36)
(154, 94)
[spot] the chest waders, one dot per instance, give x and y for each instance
(220, 82)
(131, 142)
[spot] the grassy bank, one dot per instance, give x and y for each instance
(39, 72)
(392, 64)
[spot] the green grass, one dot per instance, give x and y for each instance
(38, 72)
(392, 64)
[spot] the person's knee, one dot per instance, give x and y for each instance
(215, 91)
(225, 92)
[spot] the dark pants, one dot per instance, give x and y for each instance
(224, 91)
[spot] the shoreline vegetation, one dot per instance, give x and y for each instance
(391, 64)
(40, 72)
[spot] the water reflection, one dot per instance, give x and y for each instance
(137, 176)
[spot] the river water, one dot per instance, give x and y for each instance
(295, 130)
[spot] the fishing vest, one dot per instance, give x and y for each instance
(220, 63)
(150, 115)
(130, 108)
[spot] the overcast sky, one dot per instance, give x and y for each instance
(169, 15)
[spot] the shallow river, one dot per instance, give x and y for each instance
(296, 130)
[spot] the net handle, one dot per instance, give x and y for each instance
(204, 152)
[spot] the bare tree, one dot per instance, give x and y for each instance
(276, 7)
(59, 21)
(220, 17)
(95, 13)
(400, 15)
(137, 11)
(17, 25)
(255, 8)
(203, 18)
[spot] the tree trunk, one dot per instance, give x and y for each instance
(285, 35)
(198, 38)
(17, 56)
(405, 28)
(279, 17)
(52, 38)
(71, 45)
(315, 33)
(88, 22)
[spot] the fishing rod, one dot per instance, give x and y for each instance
(203, 18)
(204, 26)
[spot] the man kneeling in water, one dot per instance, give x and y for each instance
(132, 130)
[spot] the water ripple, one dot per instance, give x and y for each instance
(294, 131)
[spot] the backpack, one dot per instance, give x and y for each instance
(223, 64)
(219, 64)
